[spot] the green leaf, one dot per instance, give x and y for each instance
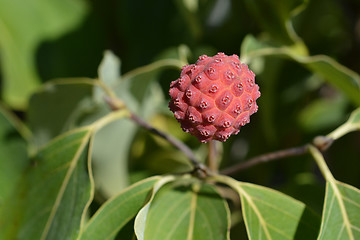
(141, 93)
(13, 154)
(22, 27)
(184, 211)
(354, 119)
(53, 194)
(270, 214)
(141, 217)
(109, 74)
(352, 124)
(110, 158)
(333, 72)
(341, 214)
(118, 211)
(64, 104)
(109, 69)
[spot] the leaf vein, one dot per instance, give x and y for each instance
(344, 214)
(340, 232)
(255, 209)
(355, 228)
(65, 183)
(169, 212)
(351, 201)
(176, 223)
(209, 232)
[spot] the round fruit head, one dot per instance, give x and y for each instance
(214, 97)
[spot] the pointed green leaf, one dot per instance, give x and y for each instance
(110, 159)
(194, 211)
(109, 156)
(141, 217)
(333, 72)
(22, 27)
(352, 124)
(341, 214)
(54, 192)
(64, 104)
(272, 215)
(118, 211)
(109, 74)
(142, 94)
(109, 69)
(355, 118)
(13, 155)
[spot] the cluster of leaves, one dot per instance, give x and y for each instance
(76, 169)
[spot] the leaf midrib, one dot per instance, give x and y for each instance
(193, 204)
(342, 208)
(65, 183)
(244, 194)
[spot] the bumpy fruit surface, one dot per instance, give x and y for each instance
(214, 97)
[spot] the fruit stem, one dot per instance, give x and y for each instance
(212, 157)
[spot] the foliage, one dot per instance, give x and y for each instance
(101, 156)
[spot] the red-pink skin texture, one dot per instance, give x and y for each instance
(214, 97)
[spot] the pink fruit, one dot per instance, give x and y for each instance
(214, 97)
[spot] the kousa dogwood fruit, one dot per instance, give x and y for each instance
(214, 97)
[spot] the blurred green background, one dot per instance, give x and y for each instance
(301, 97)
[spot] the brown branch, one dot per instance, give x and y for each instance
(295, 151)
(173, 141)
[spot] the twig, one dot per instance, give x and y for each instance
(176, 143)
(295, 151)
